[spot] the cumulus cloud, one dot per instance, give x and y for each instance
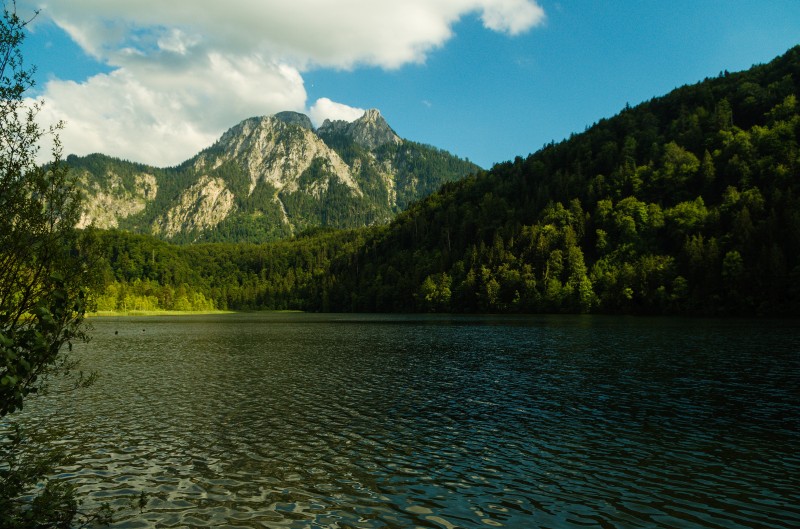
(512, 17)
(324, 109)
(185, 70)
(148, 115)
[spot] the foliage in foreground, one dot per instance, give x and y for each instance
(43, 274)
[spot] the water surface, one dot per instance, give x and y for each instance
(348, 421)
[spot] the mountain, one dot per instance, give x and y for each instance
(685, 204)
(268, 178)
(370, 131)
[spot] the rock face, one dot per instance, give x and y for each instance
(204, 205)
(111, 199)
(370, 130)
(266, 178)
(274, 151)
(295, 118)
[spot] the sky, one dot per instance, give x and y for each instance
(488, 80)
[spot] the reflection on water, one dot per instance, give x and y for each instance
(292, 420)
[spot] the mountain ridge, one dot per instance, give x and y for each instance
(266, 178)
(370, 130)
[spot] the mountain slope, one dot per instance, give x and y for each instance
(688, 203)
(268, 178)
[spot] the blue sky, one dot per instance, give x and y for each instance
(480, 80)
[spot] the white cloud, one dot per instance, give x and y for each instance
(149, 114)
(177, 41)
(512, 16)
(324, 109)
(185, 70)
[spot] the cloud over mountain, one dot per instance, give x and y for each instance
(184, 70)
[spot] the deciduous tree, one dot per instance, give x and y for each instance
(43, 274)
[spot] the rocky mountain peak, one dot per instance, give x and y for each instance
(244, 128)
(277, 150)
(370, 130)
(372, 115)
(269, 177)
(260, 125)
(295, 118)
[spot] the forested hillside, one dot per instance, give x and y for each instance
(140, 272)
(686, 204)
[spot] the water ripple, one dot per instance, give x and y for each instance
(302, 421)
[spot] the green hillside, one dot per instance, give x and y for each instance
(685, 204)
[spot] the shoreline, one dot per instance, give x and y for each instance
(112, 313)
(127, 313)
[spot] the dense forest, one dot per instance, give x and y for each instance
(685, 204)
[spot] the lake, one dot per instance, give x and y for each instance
(381, 421)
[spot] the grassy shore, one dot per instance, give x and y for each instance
(106, 313)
